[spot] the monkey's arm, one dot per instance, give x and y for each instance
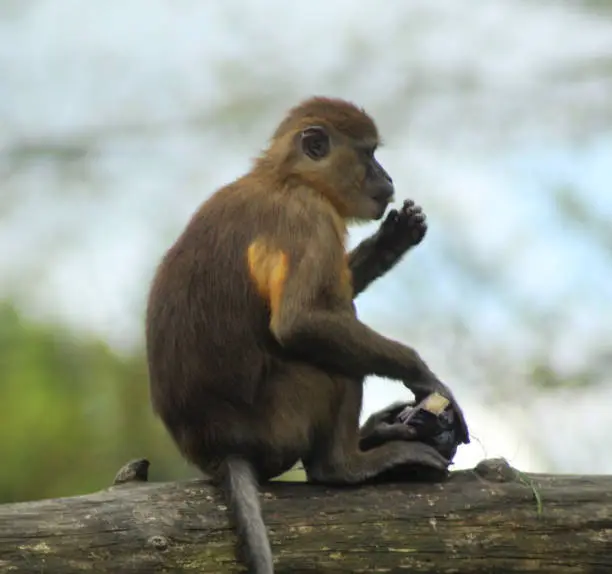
(312, 319)
(379, 253)
(368, 262)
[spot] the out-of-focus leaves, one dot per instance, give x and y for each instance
(597, 5)
(578, 212)
(544, 377)
(71, 413)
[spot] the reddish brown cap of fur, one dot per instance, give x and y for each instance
(342, 115)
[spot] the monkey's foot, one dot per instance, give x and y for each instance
(384, 425)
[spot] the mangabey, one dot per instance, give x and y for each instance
(256, 356)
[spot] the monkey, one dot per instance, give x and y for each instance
(256, 356)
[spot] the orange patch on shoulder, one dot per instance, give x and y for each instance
(268, 268)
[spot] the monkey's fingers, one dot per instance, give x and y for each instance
(460, 424)
(403, 228)
(413, 222)
(458, 418)
(410, 206)
(388, 224)
(464, 433)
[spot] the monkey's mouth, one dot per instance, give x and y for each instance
(382, 202)
(383, 197)
(381, 208)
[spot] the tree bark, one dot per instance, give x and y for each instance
(490, 519)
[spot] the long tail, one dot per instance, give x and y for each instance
(242, 493)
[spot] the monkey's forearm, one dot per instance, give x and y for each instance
(342, 343)
(368, 262)
(339, 342)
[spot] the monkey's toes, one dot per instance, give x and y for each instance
(421, 453)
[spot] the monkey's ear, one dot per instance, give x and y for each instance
(315, 142)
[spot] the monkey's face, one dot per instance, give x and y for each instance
(377, 188)
(353, 179)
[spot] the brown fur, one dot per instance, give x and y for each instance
(255, 352)
(347, 118)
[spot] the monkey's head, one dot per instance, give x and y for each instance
(329, 145)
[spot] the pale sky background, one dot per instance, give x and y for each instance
(118, 118)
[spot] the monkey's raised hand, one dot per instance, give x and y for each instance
(374, 256)
(401, 230)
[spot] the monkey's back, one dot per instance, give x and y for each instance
(207, 330)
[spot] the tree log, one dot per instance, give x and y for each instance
(490, 519)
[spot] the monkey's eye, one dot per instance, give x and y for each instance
(315, 143)
(369, 152)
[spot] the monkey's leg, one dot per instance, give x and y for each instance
(373, 257)
(325, 331)
(336, 458)
(338, 341)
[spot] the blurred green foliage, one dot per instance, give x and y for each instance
(72, 412)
